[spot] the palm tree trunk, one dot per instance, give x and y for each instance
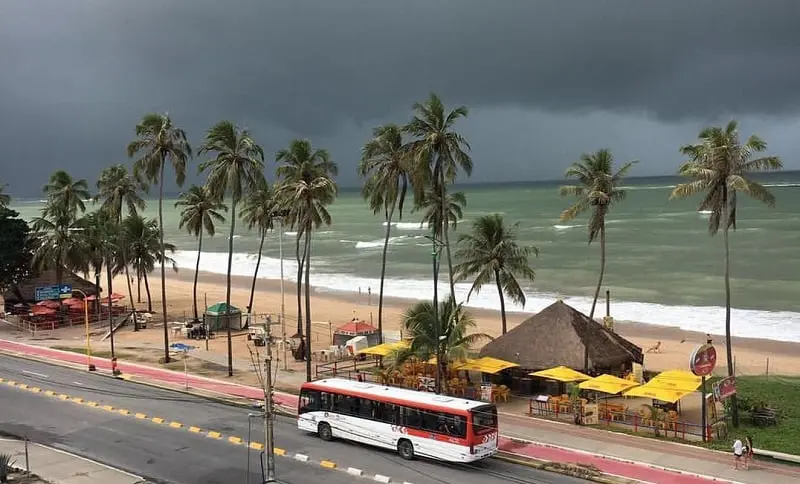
(383, 273)
(228, 289)
(163, 258)
(130, 287)
(147, 289)
(97, 292)
(59, 281)
(138, 287)
(602, 268)
(437, 375)
(728, 346)
(110, 313)
(502, 301)
(300, 260)
(445, 230)
(196, 272)
(308, 304)
(255, 275)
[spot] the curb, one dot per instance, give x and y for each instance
(603, 478)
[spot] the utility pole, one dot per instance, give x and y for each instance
(269, 414)
(283, 298)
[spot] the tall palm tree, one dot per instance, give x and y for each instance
(5, 199)
(439, 153)
(598, 188)
(719, 166)
(385, 166)
(117, 189)
(237, 168)
(259, 211)
(306, 188)
(143, 240)
(491, 253)
(200, 211)
(66, 194)
(158, 141)
(449, 324)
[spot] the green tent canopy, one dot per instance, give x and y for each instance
(221, 308)
(216, 317)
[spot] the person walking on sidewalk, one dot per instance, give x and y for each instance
(738, 452)
(748, 452)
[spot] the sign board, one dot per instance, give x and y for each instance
(486, 392)
(44, 293)
(725, 388)
(703, 360)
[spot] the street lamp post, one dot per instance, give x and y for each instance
(269, 416)
(283, 302)
(89, 363)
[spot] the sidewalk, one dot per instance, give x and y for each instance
(60, 467)
(649, 460)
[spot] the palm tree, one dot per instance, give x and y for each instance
(491, 253)
(258, 212)
(450, 325)
(719, 166)
(200, 211)
(5, 199)
(143, 240)
(306, 188)
(237, 168)
(116, 189)
(438, 153)
(598, 188)
(66, 194)
(385, 166)
(158, 140)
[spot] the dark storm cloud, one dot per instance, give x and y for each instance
(75, 75)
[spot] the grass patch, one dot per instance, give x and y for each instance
(779, 392)
(97, 353)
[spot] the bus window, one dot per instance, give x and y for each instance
(459, 426)
(484, 419)
(309, 401)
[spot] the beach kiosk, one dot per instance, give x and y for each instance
(216, 317)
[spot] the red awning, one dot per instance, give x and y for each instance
(42, 310)
(356, 327)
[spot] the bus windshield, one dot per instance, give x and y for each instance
(484, 419)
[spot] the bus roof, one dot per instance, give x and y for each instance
(368, 389)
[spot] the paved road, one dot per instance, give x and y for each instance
(172, 455)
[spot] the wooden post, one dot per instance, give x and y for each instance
(767, 365)
(608, 302)
(704, 411)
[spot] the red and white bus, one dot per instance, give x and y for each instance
(412, 423)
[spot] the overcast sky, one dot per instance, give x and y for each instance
(544, 81)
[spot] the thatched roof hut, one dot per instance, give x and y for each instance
(562, 335)
(27, 289)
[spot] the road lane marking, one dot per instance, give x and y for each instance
(49, 393)
(77, 383)
(108, 408)
(42, 375)
(196, 430)
(35, 389)
(278, 451)
(175, 425)
(63, 397)
(354, 471)
(77, 400)
(328, 464)
(22, 385)
(140, 416)
(382, 478)
(257, 446)
(157, 420)
(122, 411)
(214, 435)
(235, 440)
(301, 457)
(10, 382)
(91, 403)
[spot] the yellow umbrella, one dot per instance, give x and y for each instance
(384, 349)
(658, 393)
(562, 374)
(487, 364)
(607, 384)
(453, 365)
(676, 380)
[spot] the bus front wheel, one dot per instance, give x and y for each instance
(405, 449)
(324, 431)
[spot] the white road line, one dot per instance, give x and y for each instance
(34, 373)
(77, 383)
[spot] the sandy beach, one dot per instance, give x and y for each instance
(330, 309)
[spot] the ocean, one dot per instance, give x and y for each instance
(662, 266)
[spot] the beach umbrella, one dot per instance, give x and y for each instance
(42, 310)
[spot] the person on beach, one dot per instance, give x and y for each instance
(738, 452)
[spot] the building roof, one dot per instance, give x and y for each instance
(27, 288)
(561, 335)
(356, 327)
(221, 309)
(374, 390)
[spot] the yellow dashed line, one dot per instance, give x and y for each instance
(235, 440)
(214, 435)
(77, 400)
(328, 464)
(279, 451)
(122, 411)
(91, 404)
(175, 425)
(256, 446)
(11, 382)
(196, 430)
(49, 393)
(23, 386)
(157, 420)
(141, 416)
(1, 380)
(107, 408)
(63, 397)
(35, 389)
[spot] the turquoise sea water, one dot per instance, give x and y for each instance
(662, 266)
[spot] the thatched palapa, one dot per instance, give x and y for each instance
(562, 335)
(27, 289)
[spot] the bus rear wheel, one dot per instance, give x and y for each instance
(324, 431)
(405, 449)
